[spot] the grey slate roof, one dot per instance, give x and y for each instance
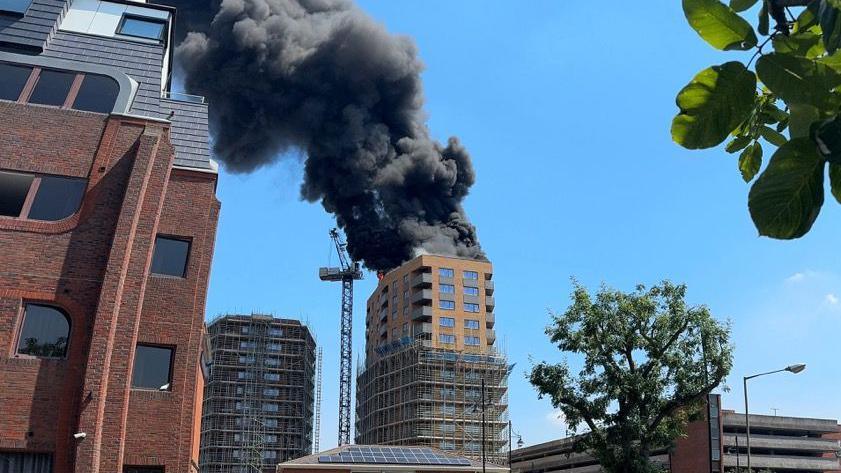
(144, 63)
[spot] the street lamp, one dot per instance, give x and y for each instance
(796, 368)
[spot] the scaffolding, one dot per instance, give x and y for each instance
(423, 396)
(316, 436)
(258, 403)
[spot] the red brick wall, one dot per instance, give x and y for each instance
(95, 266)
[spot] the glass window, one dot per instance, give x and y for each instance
(447, 305)
(448, 428)
(271, 392)
(276, 332)
(471, 324)
(445, 272)
(448, 409)
(143, 469)
(471, 275)
(14, 188)
(141, 27)
(45, 332)
(12, 78)
(446, 288)
(448, 322)
(405, 295)
(152, 368)
(271, 377)
(170, 256)
(52, 87)
(473, 341)
(57, 198)
(270, 407)
(446, 338)
(405, 311)
(246, 360)
(471, 291)
(471, 307)
(97, 94)
(247, 345)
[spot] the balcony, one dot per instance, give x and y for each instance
(470, 282)
(490, 302)
(423, 312)
(383, 330)
(489, 287)
(422, 280)
(782, 462)
(490, 319)
(782, 442)
(422, 297)
(491, 336)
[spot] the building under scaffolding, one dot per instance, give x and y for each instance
(430, 346)
(259, 401)
(423, 396)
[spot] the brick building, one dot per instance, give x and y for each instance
(432, 370)
(107, 224)
(716, 443)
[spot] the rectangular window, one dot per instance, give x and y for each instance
(152, 368)
(247, 345)
(270, 407)
(406, 311)
(447, 338)
(471, 275)
(170, 256)
(275, 332)
(12, 78)
(448, 409)
(448, 428)
(446, 289)
(271, 392)
(97, 94)
(142, 27)
(448, 322)
(51, 198)
(446, 272)
(405, 295)
(471, 291)
(472, 341)
(405, 329)
(273, 346)
(272, 376)
(52, 87)
(143, 469)
(447, 305)
(471, 307)
(246, 360)
(271, 361)
(471, 324)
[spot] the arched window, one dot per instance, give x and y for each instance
(45, 332)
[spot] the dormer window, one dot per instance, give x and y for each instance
(15, 7)
(141, 27)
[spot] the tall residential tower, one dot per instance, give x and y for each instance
(430, 348)
(258, 403)
(107, 225)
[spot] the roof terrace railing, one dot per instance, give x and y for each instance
(182, 97)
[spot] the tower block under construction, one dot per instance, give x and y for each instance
(430, 350)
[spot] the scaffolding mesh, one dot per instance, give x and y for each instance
(423, 396)
(259, 400)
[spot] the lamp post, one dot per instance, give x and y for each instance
(797, 368)
(520, 442)
(484, 461)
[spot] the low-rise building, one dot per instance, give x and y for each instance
(716, 443)
(387, 459)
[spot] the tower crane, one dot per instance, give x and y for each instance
(347, 272)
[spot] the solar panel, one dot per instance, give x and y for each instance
(393, 456)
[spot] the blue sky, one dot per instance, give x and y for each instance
(566, 109)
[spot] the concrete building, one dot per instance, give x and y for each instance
(430, 349)
(259, 402)
(385, 459)
(714, 444)
(107, 224)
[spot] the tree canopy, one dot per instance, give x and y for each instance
(785, 97)
(649, 361)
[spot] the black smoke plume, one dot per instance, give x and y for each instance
(321, 76)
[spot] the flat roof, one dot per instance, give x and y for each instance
(411, 459)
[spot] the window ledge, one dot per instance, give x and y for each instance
(40, 226)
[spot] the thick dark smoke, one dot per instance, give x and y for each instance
(321, 76)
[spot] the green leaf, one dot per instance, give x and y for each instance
(742, 5)
(802, 117)
(827, 135)
(828, 16)
(719, 25)
(772, 136)
(764, 20)
(786, 199)
(737, 144)
(835, 181)
(716, 101)
(798, 80)
(750, 161)
(806, 44)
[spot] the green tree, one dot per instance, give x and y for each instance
(649, 360)
(785, 97)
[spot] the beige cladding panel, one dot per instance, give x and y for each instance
(399, 306)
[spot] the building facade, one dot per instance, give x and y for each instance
(717, 443)
(259, 401)
(431, 365)
(107, 222)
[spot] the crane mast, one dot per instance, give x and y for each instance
(347, 272)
